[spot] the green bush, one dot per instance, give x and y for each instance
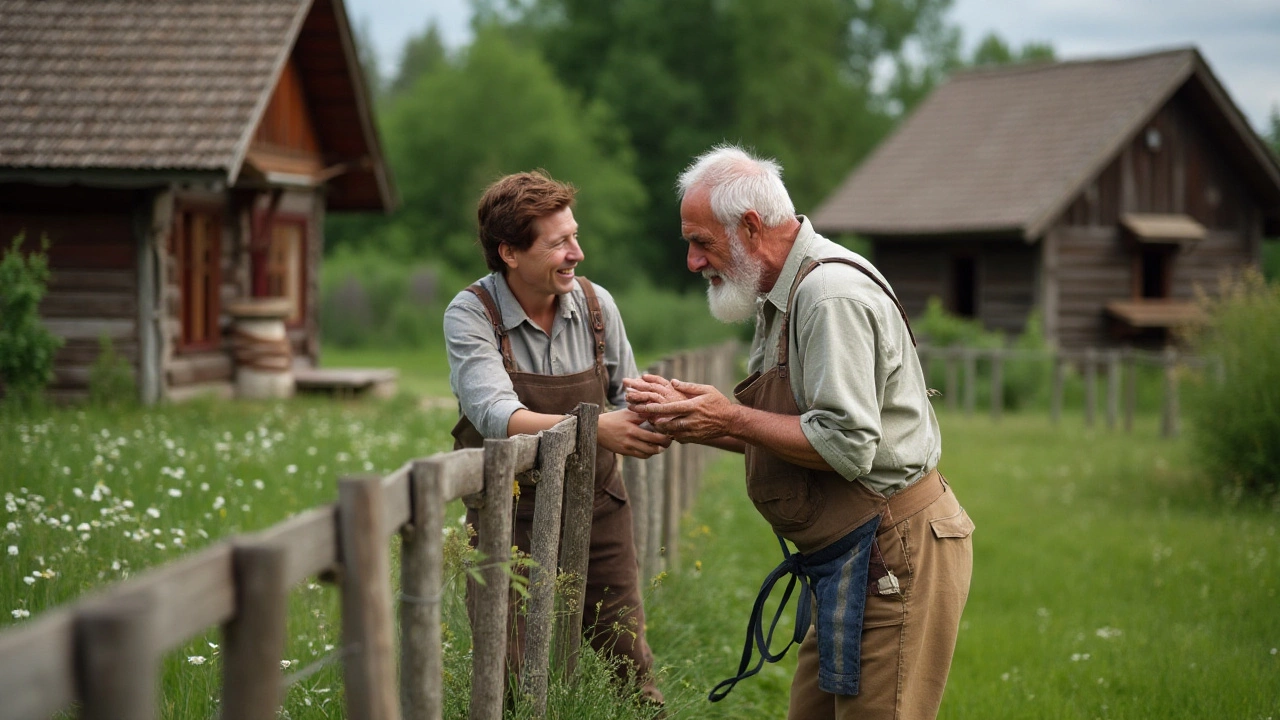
(1271, 259)
(1234, 404)
(26, 346)
(659, 321)
(370, 299)
(111, 379)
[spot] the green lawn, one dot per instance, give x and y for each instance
(1110, 580)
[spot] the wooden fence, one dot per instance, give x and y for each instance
(1117, 366)
(104, 651)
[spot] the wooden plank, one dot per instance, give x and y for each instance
(369, 668)
(117, 657)
(199, 368)
(421, 581)
(579, 491)
(489, 626)
(89, 305)
(395, 497)
(38, 658)
(90, 280)
(544, 545)
(311, 539)
(90, 329)
(254, 640)
(86, 352)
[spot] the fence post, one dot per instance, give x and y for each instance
(370, 668)
(579, 491)
(953, 384)
(489, 627)
(997, 383)
(253, 641)
(1169, 421)
(1090, 385)
(635, 473)
(1055, 399)
(970, 378)
(1131, 390)
(554, 447)
(421, 567)
(117, 658)
(1113, 388)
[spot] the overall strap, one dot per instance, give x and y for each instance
(495, 319)
(597, 317)
(809, 267)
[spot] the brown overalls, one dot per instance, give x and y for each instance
(612, 569)
(920, 564)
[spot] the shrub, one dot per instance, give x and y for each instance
(660, 321)
(369, 299)
(26, 346)
(111, 379)
(1234, 406)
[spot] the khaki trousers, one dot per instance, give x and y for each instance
(909, 633)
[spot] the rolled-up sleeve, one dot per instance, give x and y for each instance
(476, 375)
(842, 383)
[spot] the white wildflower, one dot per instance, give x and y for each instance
(13, 549)
(21, 613)
(196, 659)
(1107, 633)
(153, 512)
(285, 664)
(175, 493)
(259, 484)
(218, 502)
(291, 469)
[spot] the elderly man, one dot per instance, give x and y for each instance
(841, 446)
(526, 344)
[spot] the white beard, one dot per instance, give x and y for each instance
(734, 299)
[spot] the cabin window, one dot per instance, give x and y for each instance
(284, 266)
(197, 252)
(1153, 273)
(964, 286)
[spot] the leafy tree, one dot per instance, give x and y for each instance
(498, 109)
(26, 346)
(422, 54)
(995, 51)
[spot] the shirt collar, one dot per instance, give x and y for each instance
(513, 313)
(799, 251)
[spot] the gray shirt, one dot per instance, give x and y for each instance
(480, 383)
(855, 375)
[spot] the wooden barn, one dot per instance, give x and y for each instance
(180, 157)
(1100, 193)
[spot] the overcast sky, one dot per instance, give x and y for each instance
(1240, 39)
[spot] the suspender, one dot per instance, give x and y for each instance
(809, 267)
(491, 311)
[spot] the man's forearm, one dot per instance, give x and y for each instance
(779, 434)
(528, 422)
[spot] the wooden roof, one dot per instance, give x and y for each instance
(125, 92)
(1006, 150)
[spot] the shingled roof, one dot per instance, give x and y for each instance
(1006, 150)
(125, 91)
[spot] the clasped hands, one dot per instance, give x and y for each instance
(684, 411)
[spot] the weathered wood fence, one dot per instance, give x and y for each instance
(104, 652)
(1117, 366)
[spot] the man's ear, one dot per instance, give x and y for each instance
(754, 224)
(508, 255)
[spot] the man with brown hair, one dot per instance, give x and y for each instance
(526, 344)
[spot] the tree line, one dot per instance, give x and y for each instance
(618, 96)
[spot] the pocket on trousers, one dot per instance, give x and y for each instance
(953, 526)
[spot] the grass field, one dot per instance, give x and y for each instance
(1110, 581)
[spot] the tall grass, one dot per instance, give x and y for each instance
(1111, 578)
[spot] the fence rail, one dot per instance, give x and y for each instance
(104, 651)
(1118, 367)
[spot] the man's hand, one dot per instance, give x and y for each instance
(689, 412)
(650, 388)
(624, 432)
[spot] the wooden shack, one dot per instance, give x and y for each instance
(1100, 193)
(179, 156)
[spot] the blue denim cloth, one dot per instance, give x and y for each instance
(837, 577)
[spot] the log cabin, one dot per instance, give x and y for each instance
(180, 157)
(1100, 193)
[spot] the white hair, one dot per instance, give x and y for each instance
(739, 182)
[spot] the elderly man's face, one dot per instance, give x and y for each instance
(733, 276)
